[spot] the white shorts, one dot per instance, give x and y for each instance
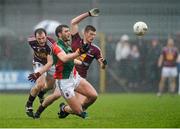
(37, 66)
(169, 72)
(67, 86)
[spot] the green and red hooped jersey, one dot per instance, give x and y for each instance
(62, 70)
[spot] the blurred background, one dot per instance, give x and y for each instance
(132, 61)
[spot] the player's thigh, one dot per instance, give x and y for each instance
(57, 92)
(66, 87)
(86, 89)
(50, 81)
(40, 82)
(80, 97)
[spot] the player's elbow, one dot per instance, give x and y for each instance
(64, 59)
(50, 63)
(73, 22)
(94, 97)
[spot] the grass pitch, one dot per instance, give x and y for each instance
(109, 111)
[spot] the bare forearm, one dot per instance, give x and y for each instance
(45, 68)
(79, 18)
(68, 57)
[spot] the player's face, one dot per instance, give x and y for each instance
(89, 36)
(65, 34)
(41, 38)
(170, 43)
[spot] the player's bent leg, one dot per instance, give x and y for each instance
(33, 93)
(51, 98)
(41, 95)
(47, 101)
(86, 89)
(81, 97)
(50, 82)
(67, 87)
(62, 113)
(73, 107)
(29, 103)
(29, 106)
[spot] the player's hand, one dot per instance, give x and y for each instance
(84, 48)
(34, 76)
(104, 61)
(94, 12)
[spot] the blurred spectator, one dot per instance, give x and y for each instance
(5, 55)
(168, 60)
(134, 65)
(121, 54)
(12, 52)
(20, 47)
(122, 48)
(152, 71)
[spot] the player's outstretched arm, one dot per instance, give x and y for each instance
(74, 22)
(70, 56)
(34, 76)
(67, 57)
(47, 66)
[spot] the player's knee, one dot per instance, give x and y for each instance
(56, 96)
(36, 88)
(40, 85)
(94, 97)
(50, 86)
(45, 87)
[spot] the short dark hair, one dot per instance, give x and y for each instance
(59, 29)
(40, 31)
(89, 27)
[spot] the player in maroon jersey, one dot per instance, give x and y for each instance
(169, 67)
(41, 44)
(87, 58)
(88, 37)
